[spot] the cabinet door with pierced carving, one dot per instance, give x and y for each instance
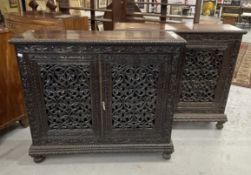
(62, 97)
(137, 98)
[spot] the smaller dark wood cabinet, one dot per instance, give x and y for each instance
(100, 91)
(209, 62)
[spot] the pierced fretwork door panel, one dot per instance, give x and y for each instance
(135, 89)
(67, 96)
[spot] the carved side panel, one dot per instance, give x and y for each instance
(30, 89)
(67, 96)
(134, 95)
(201, 73)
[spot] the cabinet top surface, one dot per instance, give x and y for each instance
(71, 36)
(186, 27)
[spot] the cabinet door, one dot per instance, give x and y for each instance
(62, 97)
(137, 98)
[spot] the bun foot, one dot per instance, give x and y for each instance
(38, 159)
(24, 122)
(219, 125)
(166, 155)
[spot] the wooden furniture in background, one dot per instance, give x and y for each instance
(246, 9)
(11, 98)
(164, 16)
(100, 91)
(231, 14)
(246, 18)
(33, 5)
(210, 58)
(65, 7)
(76, 23)
(17, 23)
(129, 11)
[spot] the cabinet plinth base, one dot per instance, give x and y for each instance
(37, 151)
(200, 117)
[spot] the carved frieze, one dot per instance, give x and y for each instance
(79, 49)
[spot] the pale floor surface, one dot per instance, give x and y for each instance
(200, 149)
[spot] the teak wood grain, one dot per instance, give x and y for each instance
(19, 23)
(11, 99)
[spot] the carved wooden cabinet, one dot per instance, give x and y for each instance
(100, 91)
(209, 64)
(210, 57)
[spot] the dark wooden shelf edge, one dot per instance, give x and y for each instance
(102, 20)
(153, 20)
(158, 15)
(159, 3)
(71, 149)
(87, 9)
(200, 117)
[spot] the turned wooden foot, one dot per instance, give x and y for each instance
(219, 125)
(24, 122)
(166, 155)
(38, 159)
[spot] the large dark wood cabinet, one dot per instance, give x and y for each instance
(210, 57)
(100, 91)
